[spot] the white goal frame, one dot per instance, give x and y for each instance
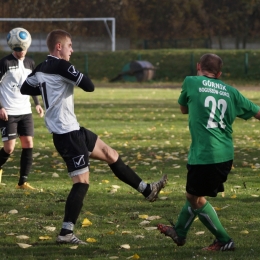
(111, 33)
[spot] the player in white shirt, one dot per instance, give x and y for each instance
(15, 112)
(55, 79)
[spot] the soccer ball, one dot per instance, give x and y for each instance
(19, 39)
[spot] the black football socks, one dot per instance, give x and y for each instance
(73, 207)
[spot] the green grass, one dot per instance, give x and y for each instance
(146, 127)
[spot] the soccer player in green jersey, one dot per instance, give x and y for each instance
(212, 106)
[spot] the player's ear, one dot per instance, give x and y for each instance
(218, 74)
(58, 46)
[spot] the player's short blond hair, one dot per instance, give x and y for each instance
(56, 36)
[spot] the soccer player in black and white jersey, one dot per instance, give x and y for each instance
(55, 79)
(16, 113)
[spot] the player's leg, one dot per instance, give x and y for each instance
(9, 134)
(75, 156)
(125, 173)
(201, 180)
(26, 131)
(207, 180)
(26, 159)
(6, 151)
(178, 232)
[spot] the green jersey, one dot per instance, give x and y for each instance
(213, 107)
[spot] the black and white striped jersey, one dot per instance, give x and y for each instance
(55, 79)
(13, 73)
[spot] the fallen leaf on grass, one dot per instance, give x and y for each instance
(254, 195)
(45, 238)
(113, 191)
(233, 196)
(55, 175)
(86, 223)
(50, 228)
(153, 217)
(225, 207)
(91, 240)
(145, 222)
(55, 154)
(163, 198)
(110, 233)
(126, 232)
(22, 245)
(200, 233)
(115, 186)
(244, 163)
(143, 216)
(244, 232)
(105, 181)
(125, 246)
(113, 257)
(150, 228)
(24, 218)
(36, 154)
(139, 236)
(73, 247)
(13, 211)
(22, 237)
(165, 192)
(135, 256)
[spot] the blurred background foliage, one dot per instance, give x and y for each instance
(141, 20)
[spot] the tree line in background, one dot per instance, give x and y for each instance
(143, 19)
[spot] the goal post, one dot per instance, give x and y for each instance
(111, 33)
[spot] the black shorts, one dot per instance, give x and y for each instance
(17, 126)
(207, 180)
(75, 147)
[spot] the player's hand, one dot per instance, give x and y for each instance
(40, 110)
(3, 114)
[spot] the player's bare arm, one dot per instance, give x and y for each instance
(257, 116)
(38, 107)
(3, 114)
(184, 110)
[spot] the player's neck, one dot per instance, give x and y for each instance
(18, 57)
(208, 74)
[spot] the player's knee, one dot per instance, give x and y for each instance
(9, 150)
(110, 154)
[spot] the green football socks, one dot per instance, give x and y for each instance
(208, 216)
(185, 219)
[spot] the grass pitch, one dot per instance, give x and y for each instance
(147, 128)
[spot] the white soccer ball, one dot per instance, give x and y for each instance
(19, 39)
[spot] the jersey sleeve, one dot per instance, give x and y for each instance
(69, 72)
(183, 98)
(245, 108)
(31, 85)
(2, 69)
